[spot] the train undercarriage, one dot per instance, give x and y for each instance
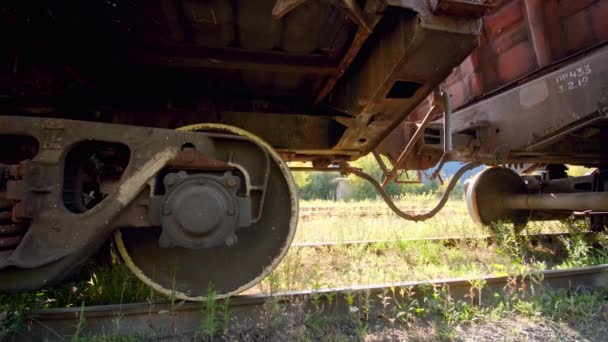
(167, 127)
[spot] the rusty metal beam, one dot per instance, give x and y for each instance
(463, 8)
(409, 148)
(282, 7)
(236, 59)
(363, 33)
(350, 7)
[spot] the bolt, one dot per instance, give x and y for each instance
(232, 182)
(231, 240)
(170, 179)
(164, 241)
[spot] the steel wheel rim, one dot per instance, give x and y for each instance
(293, 221)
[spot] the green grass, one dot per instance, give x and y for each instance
(453, 220)
(308, 268)
(447, 316)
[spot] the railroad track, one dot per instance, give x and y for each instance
(364, 212)
(166, 320)
(448, 241)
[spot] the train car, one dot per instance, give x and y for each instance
(532, 98)
(166, 125)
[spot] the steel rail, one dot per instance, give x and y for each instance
(166, 320)
(374, 213)
(447, 240)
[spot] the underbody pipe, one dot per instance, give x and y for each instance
(447, 123)
(410, 215)
(580, 201)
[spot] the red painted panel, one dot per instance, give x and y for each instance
(522, 36)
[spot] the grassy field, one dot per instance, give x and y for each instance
(453, 220)
(400, 260)
(384, 262)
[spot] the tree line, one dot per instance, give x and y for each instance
(320, 185)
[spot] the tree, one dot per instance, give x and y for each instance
(313, 185)
(577, 171)
(362, 189)
(320, 185)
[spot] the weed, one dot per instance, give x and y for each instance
(210, 325)
(477, 286)
(578, 305)
(12, 319)
(406, 307)
(79, 325)
(577, 248)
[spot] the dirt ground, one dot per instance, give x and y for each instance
(510, 328)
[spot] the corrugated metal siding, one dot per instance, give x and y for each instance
(522, 36)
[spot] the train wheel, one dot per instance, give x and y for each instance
(484, 195)
(188, 273)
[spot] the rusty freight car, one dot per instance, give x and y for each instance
(165, 125)
(533, 96)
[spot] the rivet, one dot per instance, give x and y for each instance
(231, 240)
(231, 182)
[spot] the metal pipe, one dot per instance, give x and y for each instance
(577, 201)
(314, 169)
(381, 164)
(411, 215)
(447, 122)
(555, 138)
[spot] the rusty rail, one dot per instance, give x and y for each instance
(166, 320)
(447, 240)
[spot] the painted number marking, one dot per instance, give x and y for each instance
(573, 79)
(52, 138)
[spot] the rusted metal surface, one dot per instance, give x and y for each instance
(592, 202)
(366, 23)
(282, 7)
(534, 113)
(8, 229)
(9, 242)
(268, 212)
(523, 36)
(409, 148)
(190, 159)
(511, 105)
(463, 8)
(162, 181)
(500, 194)
(401, 69)
(12, 191)
(349, 56)
(234, 59)
(69, 238)
(171, 63)
(556, 117)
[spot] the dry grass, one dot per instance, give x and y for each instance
(452, 221)
(389, 262)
